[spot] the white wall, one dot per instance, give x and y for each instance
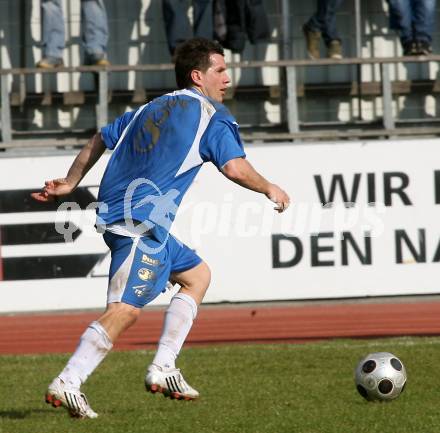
(232, 228)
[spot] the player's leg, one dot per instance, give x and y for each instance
(97, 341)
(98, 338)
(181, 313)
(117, 318)
(162, 374)
(94, 345)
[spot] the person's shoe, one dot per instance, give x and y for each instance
(410, 49)
(97, 60)
(59, 394)
(50, 63)
(334, 49)
(101, 62)
(312, 42)
(423, 48)
(170, 382)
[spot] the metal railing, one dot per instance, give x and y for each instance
(293, 131)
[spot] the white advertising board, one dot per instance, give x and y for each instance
(377, 234)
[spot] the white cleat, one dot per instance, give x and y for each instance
(170, 382)
(59, 394)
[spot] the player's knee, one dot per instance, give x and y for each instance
(206, 275)
(131, 314)
(194, 280)
(201, 278)
(123, 312)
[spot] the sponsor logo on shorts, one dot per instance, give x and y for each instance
(146, 274)
(140, 290)
(149, 261)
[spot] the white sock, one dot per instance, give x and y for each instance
(177, 324)
(93, 346)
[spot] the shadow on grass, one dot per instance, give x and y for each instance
(20, 414)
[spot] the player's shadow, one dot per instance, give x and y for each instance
(20, 414)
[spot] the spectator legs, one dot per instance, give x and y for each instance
(401, 19)
(324, 20)
(52, 28)
(414, 22)
(94, 29)
(177, 26)
(203, 18)
(423, 20)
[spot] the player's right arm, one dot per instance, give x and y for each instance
(84, 161)
(240, 171)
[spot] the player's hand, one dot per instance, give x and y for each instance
(52, 190)
(278, 196)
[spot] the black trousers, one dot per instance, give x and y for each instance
(177, 26)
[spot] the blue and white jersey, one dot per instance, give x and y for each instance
(158, 151)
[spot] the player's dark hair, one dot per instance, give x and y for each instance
(194, 54)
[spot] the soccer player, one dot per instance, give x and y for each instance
(157, 152)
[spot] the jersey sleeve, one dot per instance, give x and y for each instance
(222, 143)
(112, 132)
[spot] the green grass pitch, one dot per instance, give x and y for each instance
(305, 388)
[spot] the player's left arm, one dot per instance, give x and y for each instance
(223, 146)
(241, 171)
(84, 161)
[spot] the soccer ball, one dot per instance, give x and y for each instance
(380, 376)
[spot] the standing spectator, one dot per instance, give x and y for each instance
(94, 33)
(323, 23)
(235, 21)
(177, 26)
(414, 22)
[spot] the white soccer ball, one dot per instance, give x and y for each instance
(380, 376)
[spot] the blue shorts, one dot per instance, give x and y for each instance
(140, 267)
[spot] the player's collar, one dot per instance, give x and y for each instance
(197, 91)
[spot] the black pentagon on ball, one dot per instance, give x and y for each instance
(362, 391)
(369, 366)
(396, 364)
(385, 386)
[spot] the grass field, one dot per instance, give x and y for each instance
(255, 388)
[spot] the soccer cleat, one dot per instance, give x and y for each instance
(58, 394)
(169, 382)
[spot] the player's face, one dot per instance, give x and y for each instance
(215, 80)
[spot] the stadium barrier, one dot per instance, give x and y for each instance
(287, 95)
(363, 222)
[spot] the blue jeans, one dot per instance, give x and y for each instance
(94, 28)
(412, 19)
(324, 20)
